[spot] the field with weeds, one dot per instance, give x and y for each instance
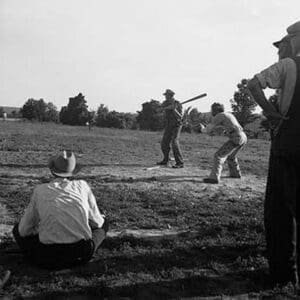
(219, 246)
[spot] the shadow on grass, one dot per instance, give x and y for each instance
(170, 272)
(193, 286)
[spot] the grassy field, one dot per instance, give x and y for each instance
(223, 256)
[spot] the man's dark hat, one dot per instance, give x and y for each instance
(168, 92)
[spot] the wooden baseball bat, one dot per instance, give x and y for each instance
(194, 98)
(186, 101)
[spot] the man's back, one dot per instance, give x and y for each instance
(227, 120)
(232, 127)
(62, 209)
(61, 226)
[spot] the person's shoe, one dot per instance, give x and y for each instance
(210, 180)
(178, 166)
(162, 163)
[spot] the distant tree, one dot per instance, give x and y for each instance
(29, 109)
(114, 119)
(242, 103)
(128, 120)
(131, 121)
(14, 114)
(39, 110)
(1, 111)
(64, 115)
(101, 116)
(151, 117)
(92, 117)
(119, 120)
(51, 113)
(76, 112)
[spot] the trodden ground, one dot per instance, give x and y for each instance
(172, 236)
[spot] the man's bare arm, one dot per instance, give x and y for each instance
(259, 97)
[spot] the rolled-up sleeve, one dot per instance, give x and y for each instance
(273, 76)
(96, 219)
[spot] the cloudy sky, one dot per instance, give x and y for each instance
(124, 52)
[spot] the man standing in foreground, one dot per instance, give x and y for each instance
(284, 50)
(229, 151)
(173, 125)
(281, 209)
(62, 225)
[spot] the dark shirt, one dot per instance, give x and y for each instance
(288, 137)
(172, 118)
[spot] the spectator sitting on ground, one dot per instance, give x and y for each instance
(62, 225)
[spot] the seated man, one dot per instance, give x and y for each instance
(237, 139)
(62, 225)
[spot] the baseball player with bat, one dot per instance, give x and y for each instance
(173, 126)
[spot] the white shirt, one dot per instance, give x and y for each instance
(230, 124)
(61, 211)
(282, 76)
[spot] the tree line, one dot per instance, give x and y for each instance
(150, 117)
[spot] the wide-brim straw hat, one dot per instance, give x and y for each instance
(64, 165)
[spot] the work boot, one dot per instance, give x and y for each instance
(178, 166)
(162, 163)
(210, 180)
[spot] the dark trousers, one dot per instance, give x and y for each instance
(171, 138)
(58, 256)
(281, 216)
